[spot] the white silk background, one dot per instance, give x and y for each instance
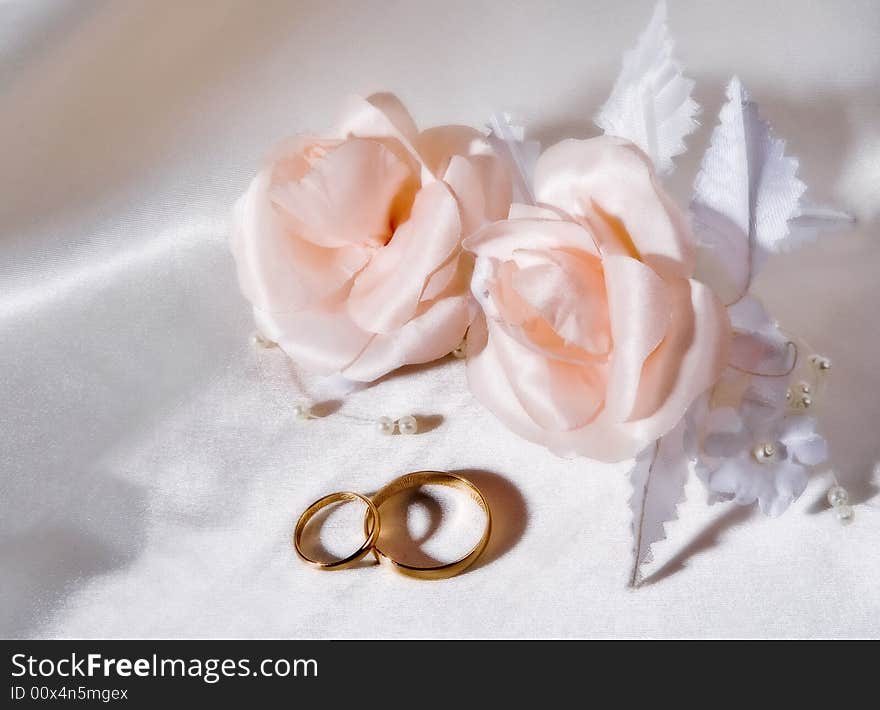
(150, 466)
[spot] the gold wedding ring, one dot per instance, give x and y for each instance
(371, 530)
(372, 525)
(425, 478)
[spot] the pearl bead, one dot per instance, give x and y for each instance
(804, 387)
(302, 412)
(408, 425)
(820, 362)
(845, 514)
(461, 351)
(806, 402)
(764, 452)
(788, 395)
(837, 496)
(385, 425)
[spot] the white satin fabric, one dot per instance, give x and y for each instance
(150, 467)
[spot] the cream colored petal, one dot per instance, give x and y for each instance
(387, 292)
(322, 339)
(435, 331)
(355, 195)
(277, 270)
(610, 184)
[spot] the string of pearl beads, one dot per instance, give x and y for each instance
(407, 424)
(802, 395)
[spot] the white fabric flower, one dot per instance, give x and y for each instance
(758, 452)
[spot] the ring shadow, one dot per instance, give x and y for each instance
(510, 514)
(396, 539)
(505, 501)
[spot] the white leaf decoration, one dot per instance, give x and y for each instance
(508, 141)
(651, 102)
(658, 479)
(745, 193)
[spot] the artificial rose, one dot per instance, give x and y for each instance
(595, 339)
(349, 246)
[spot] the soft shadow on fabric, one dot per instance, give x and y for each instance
(708, 538)
(509, 520)
(510, 514)
(42, 566)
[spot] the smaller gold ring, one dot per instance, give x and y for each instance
(442, 478)
(371, 529)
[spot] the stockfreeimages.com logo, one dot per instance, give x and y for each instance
(210, 670)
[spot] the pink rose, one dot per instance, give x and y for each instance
(595, 339)
(349, 246)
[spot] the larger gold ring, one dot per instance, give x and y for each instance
(442, 478)
(371, 529)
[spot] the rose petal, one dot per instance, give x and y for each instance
(639, 312)
(463, 180)
(356, 195)
(437, 145)
(688, 361)
(386, 293)
(452, 278)
(496, 184)
(557, 395)
(293, 157)
(609, 183)
(490, 285)
(490, 384)
(277, 270)
(569, 294)
(381, 116)
(322, 339)
(606, 437)
(435, 331)
(521, 211)
(501, 239)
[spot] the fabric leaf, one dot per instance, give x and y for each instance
(658, 478)
(651, 102)
(745, 193)
(508, 141)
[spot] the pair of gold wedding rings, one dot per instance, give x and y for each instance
(373, 524)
